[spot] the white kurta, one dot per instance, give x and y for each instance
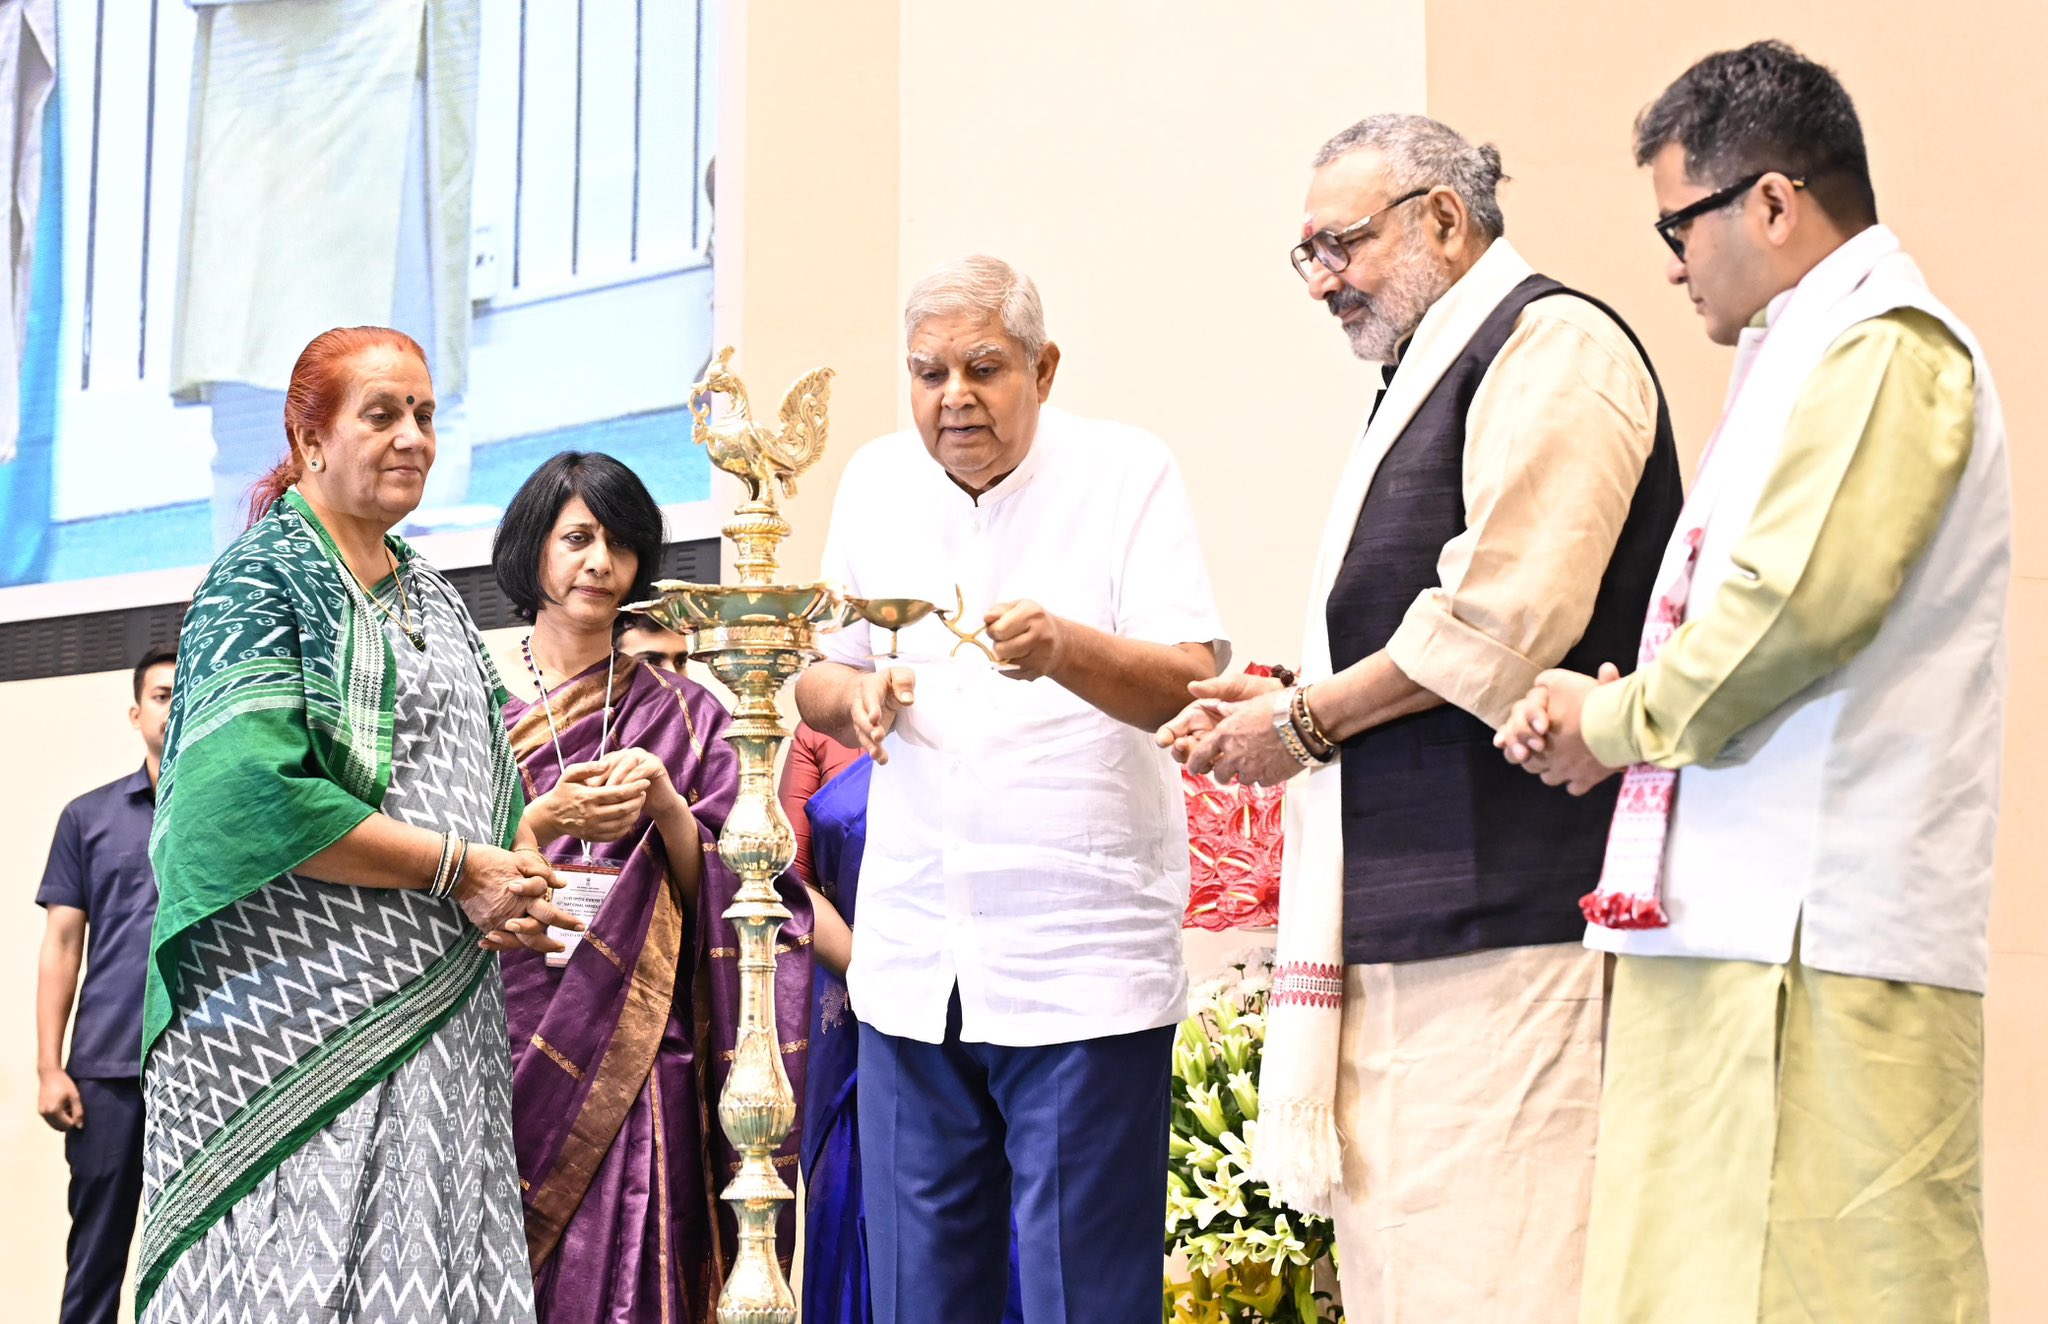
(1020, 841)
(295, 179)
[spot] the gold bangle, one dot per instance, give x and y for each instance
(1299, 721)
(1315, 728)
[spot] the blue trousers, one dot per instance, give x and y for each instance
(1069, 1139)
(106, 1186)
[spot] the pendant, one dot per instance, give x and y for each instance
(419, 640)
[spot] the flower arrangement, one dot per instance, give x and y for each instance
(1233, 848)
(1247, 1258)
(1233, 854)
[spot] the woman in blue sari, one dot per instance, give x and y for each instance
(825, 794)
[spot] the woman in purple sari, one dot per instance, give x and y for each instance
(620, 1048)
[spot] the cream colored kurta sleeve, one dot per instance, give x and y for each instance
(1873, 450)
(1555, 444)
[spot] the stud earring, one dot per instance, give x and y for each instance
(313, 464)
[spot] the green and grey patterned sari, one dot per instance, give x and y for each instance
(325, 1070)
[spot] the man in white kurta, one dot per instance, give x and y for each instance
(1017, 964)
(1798, 880)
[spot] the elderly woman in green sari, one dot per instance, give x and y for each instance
(327, 1090)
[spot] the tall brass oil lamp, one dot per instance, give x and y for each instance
(754, 636)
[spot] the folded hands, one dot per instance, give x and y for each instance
(1543, 735)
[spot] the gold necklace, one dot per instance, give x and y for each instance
(417, 634)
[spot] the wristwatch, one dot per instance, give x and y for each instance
(1283, 724)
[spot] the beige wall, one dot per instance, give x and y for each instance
(1950, 96)
(65, 736)
(1146, 162)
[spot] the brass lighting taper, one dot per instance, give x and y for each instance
(754, 636)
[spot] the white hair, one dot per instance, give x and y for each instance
(980, 286)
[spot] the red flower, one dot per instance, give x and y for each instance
(1234, 854)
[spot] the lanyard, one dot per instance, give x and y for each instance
(604, 734)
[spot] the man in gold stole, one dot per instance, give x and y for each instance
(1798, 880)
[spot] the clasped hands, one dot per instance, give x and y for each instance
(1227, 732)
(506, 894)
(603, 799)
(1024, 635)
(1543, 735)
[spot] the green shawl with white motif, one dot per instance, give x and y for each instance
(279, 744)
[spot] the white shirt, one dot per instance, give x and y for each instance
(1021, 843)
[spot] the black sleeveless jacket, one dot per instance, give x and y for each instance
(1447, 847)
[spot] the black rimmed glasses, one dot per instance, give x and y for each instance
(1332, 248)
(1668, 227)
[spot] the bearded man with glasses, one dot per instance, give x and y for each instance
(1799, 880)
(1432, 1064)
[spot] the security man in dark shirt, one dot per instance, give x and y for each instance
(98, 887)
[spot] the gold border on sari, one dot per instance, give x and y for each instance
(598, 945)
(661, 1188)
(556, 1056)
(620, 1076)
(574, 701)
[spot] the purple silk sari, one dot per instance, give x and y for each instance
(618, 1056)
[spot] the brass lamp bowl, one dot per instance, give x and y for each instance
(683, 607)
(890, 614)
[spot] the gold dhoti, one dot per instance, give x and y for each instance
(1780, 1144)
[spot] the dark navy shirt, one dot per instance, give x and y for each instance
(99, 863)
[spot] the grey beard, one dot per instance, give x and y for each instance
(1373, 339)
(1411, 288)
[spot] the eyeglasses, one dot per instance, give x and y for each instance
(1332, 248)
(1668, 227)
